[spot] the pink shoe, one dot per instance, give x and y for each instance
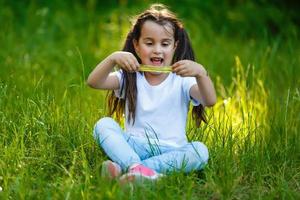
(110, 169)
(140, 173)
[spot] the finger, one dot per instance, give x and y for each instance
(130, 65)
(181, 72)
(175, 65)
(137, 64)
(185, 74)
(179, 66)
(134, 60)
(178, 69)
(179, 63)
(134, 64)
(127, 65)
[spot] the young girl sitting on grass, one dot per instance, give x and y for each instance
(155, 103)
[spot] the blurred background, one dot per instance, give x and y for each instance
(57, 39)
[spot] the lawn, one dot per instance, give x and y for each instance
(47, 112)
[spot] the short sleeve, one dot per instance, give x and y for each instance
(120, 93)
(188, 82)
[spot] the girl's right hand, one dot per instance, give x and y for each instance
(125, 60)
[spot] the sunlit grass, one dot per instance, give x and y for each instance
(243, 106)
(241, 138)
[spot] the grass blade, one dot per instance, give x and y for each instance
(150, 68)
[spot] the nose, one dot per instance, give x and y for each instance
(157, 49)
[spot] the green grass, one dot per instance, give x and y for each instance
(47, 112)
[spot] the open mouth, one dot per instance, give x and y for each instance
(156, 61)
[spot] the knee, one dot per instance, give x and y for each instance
(102, 125)
(105, 122)
(201, 151)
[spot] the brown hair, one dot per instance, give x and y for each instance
(159, 14)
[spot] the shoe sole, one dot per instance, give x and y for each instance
(109, 170)
(139, 178)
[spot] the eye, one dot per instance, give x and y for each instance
(165, 44)
(148, 43)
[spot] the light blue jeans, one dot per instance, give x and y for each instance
(125, 149)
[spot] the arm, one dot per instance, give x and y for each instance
(204, 91)
(102, 78)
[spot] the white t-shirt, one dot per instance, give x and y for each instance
(161, 110)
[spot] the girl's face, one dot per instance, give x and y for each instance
(156, 45)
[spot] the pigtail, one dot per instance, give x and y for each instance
(115, 105)
(130, 94)
(127, 87)
(183, 51)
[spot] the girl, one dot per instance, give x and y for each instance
(155, 103)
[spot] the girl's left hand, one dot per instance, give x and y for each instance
(186, 68)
